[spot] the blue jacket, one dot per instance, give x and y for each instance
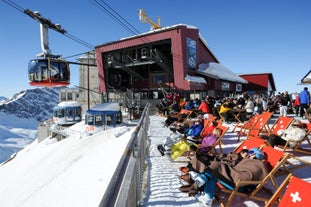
(194, 130)
(304, 97)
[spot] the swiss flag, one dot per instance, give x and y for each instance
(297, 194)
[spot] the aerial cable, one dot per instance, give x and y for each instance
(119, 19)
(115, 17)
(130, 25)
(48, 23)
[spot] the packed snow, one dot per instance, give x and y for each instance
(76, 171)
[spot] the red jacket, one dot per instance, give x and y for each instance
(204, 107)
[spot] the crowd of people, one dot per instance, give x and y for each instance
(197, 137)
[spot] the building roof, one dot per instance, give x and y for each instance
(218, 71)
(111, 106)
(307, 78)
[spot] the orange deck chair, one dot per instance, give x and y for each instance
(298, 146)
(275, 158)
(261, 126)
(293, 192)
(218, 142)
(280, 124)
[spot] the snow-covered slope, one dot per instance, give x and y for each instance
(20, 116)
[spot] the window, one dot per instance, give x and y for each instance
(69, 96)
(63, 96)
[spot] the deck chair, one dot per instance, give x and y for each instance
(280, 124)
(261, 126)
(206, 124)
(275, 158)
(293, 192)
(218, 142)
(183, 115)
(247, 125)
(250, 143)
(298, 145)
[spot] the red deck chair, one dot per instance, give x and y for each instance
(276, 159)
(280, 124)
(293, 192)
(246, 125)
(261, 126)
(250, 143)
(218, 142)
(298, 145)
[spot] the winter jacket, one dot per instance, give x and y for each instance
(194, 130)
(204, 107)
(304, 97)
(207, 142)
(292, 134)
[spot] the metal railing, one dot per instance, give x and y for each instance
(125, 187)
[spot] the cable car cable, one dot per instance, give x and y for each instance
(47, 22)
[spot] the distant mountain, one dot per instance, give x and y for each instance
(20, 117)
(2, 98)
(35, 103)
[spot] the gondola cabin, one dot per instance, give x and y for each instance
(48, 72)
(102, 116)
(67, 113)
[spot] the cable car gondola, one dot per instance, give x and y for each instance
(67, 113)
(48, 72)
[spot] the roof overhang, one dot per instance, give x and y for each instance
(195, 79)
(307, 78)
(219, 72)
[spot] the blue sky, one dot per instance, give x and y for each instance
(246, 36)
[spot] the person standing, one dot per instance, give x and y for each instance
(284, 102)
(304, 99)
(296, 104)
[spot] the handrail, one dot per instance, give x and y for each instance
(118, 188)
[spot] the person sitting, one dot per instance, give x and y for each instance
(250, 168)
(295, 132)
(192, 134)
(209, 140)
(203, 107)
(163, 107)
(249, 110)
(209, 128)
(225, 111)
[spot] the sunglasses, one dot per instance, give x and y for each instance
(296, 125)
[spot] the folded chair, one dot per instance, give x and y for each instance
(293, 192)
(275, 159)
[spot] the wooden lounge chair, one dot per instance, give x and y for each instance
(298, 146)
(246, 125)
(261, 126)
(276, 159)
(218, 142)
(280, 124)
(293, 192)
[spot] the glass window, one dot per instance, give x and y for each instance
(69, 96)
(63, 96)
(90, 119)
(98, 120)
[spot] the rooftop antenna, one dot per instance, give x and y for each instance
(143, 18)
